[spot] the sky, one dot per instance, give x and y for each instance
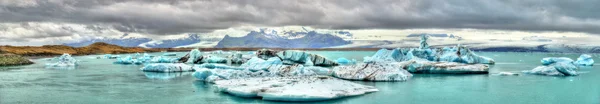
(40, 22)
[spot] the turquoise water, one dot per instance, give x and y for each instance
(100, 81)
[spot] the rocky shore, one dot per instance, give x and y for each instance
(12, 59)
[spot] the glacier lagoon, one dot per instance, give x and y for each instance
(101, 81)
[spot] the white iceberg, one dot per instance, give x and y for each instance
(160, 59)
(313, 88)
(167, 67)
(506, 74)
(65, 61)
(127, 60)
(422, 66)
(375, 71)
(585, 60)
(552, 60)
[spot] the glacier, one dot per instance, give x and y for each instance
(585, 60)
(310, 88)
(375, 71)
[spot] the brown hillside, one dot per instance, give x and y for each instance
(47, 50)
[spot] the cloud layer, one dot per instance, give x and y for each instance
(162, 17)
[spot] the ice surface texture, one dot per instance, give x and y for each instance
(300, 57)
(167, 67)
(376, 71)
(422, 66)
(344, 61)
(312, 88)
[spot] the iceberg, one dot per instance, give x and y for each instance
(160, 59)
(167, 67)
(127, 60)
(110, 56)
(555, 66)
(300, 57)
(422, 66)
(65, 61)
(239, 58)
(255, 67)
(214, 59)
(585, 60)
(169, 54)
(312, 88)
(375, 71)
(388, 55)
(462, 54)
(344, 61)
(165, 76)
(266, 53)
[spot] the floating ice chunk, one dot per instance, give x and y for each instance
(506, 74)
(110, 56)
(313, 88)
(125, 60)
(217, 52)
(387, 55)
(300, 57)
(238, 58)
(217, 66)
(167, 67)
(585, 60)
(145, 58)
(65, 61)
(160, 59)
(169, 54)
(344, 61)
(374, 71)
(266, 53)
(214, 59)
(165, 76)
(555, 66)
(552, 60)
(447, 68)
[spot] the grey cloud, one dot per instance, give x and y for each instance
(172, 17)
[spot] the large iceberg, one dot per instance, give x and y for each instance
(65, 61)
(255, 67)
(312, 88)
(460, 54)
(167, 67)
(585, 60)
(375, 71)
(555, 66)
(422, 66)
(300, 57)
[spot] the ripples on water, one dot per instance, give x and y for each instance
(100, 81)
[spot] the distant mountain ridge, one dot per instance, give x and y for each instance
(270, 39)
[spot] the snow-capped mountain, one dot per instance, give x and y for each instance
(288, 39)
(124, 41)
(171, 43)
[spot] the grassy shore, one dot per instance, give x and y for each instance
(11, 59)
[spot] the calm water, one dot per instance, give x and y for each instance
(100, 81)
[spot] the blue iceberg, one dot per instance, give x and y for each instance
(160, 59)
(169, 54)
(555, 66)
(214, 59)
(194, 55)
(167, 67)
(127, 60)
(375, 71)
(585, 60)
(65, 61)
(344, 61)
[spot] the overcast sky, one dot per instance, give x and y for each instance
(57, 20)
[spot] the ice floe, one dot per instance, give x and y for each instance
(310, 88)
(422, 66)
